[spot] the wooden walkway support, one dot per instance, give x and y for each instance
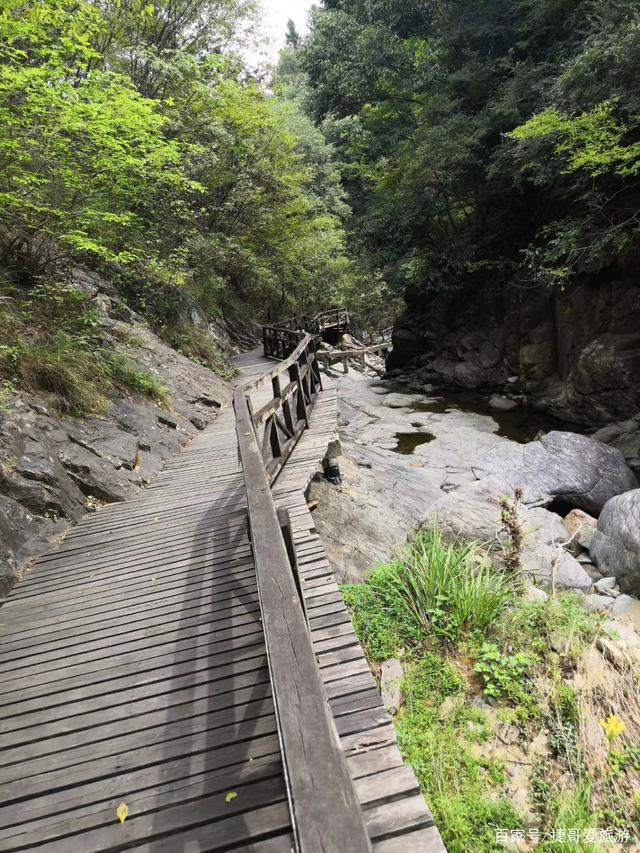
(328, 359)
(179, 658)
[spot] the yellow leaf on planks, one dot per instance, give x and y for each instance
(123, 812)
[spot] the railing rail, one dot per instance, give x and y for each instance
(278, 425)
(325, 810)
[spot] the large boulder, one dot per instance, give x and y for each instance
(615, 548)
(563, 466)
(473, 513)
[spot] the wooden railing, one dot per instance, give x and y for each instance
(282, 339)
(325, 811)
(278, 425)
(344, 356)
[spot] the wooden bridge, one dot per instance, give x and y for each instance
(185, 661)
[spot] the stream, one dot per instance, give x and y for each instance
(401, 451)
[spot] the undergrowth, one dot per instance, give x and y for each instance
(478, 657)
(199, 346)
(52, 342)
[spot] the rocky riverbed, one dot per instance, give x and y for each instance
(414, 457)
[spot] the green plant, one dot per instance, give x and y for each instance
(506, 675)
(375, 621)
(199, 345)
(445, 588)
(465, 791)
(127, 375)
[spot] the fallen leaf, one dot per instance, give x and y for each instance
(230, 796)
(123, 812)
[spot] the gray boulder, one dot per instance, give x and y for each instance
(502, 404)
(562, 466)
(615, 548)
(473, 513)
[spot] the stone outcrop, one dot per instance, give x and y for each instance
(624, 435)
(54, 469)
(615, 548)
(473, 513)
(574, 354)
(561, 466)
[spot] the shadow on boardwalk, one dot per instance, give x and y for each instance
(224, 715)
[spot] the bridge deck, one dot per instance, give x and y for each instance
(133, 670)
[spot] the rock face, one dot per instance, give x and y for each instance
(626, 437)
(575, 354)
(473, 513)
(563, 466)
(615, 549)
(54, 469)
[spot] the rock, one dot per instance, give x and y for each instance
(598, 603)
(451, 705)
(537, 360)
(615, 548)
(577, 519)
(534, 594)
(552, 566)
(624, 435)
(473, 513)
(502, 404)
(469, 375)
(627, 609)
(620, 644)
(401, 401)
(586, 536)
(562, 466)
(391, 676)
(605, 584)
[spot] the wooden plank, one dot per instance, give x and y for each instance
(324, 803)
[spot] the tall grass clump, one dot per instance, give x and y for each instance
(445, 588)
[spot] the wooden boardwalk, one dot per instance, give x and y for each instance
(134, 671)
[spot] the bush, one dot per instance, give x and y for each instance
(202, 347)
(52, 342)
(465, 791)
(125, 374)
(444, 588)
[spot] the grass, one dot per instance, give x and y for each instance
(203, 348)
(127, 375)
(466, 638)
(431, 587)
(465, 792)
(52, 342)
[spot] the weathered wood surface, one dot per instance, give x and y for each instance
(395, 812)
(325, 809)
(134, 670)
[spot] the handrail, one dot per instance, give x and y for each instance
(286, 416)
(326, 814)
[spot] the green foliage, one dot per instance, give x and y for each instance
(463, 791)
(592, 141)
(376, 620)
(483, 144)
(431, 588)
(446, 588)
(130, 377)
(505, 675)
(132, 139)
(52, 342)
(200, 346)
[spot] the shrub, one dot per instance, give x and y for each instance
(202, 347)
(444, 588)
(465, 791)
(128, 376)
